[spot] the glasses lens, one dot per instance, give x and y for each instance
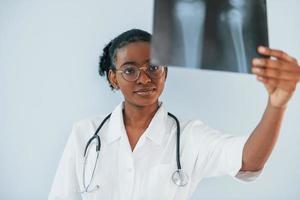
(130, 72)
(155, 71)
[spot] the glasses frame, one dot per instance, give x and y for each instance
(139, 72)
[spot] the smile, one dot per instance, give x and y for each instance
(145, 92)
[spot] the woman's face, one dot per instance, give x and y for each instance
(145, 90)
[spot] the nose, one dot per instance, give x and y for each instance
(143, 77)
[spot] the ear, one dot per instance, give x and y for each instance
(113, 79)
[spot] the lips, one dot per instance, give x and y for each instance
(145, 91)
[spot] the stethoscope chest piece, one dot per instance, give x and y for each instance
(180, 178)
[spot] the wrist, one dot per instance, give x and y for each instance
(275, 106)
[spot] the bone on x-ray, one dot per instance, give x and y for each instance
(209, 34)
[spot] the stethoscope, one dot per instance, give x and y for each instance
(179, 177)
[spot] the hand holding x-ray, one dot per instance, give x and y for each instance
(223, 35)
(279, 75)
(209, 34)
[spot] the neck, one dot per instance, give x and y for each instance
(138, 116)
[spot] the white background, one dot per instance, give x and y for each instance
(49, 79)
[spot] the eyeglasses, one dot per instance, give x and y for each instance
(131, 72)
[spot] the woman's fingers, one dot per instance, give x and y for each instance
(277, 54)
(280, 75)
(284, 67)
(274, 64)
(273, 83)
(276, 74)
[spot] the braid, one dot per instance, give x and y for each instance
(105, 62)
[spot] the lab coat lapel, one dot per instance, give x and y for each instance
(157, 127)
(154, 132)
(116, 125)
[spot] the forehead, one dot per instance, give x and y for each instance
(137, 52)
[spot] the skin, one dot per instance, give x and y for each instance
(138, 110)
(280, 76)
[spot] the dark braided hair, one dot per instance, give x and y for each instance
(108, 57)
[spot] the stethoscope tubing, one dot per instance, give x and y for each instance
(179, 172)
(108, 116)
(96, 136)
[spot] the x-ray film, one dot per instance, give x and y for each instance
(209, 34)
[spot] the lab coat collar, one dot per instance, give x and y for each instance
(116, 124)
(154, 132)
(157, 126)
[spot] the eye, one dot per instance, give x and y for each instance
(129, 69)
(152, 68)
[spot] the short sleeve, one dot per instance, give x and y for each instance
(65, 185)
(220, 154)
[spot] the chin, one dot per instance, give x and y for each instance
(141, 99)
(142, 102)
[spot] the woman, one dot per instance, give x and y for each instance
(138, 155)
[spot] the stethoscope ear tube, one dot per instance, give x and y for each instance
(179, 177)
(86, 187)
(177, 141)
(102, 123)
(98, 146)
(96, 136)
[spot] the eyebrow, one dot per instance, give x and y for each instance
(133, 62)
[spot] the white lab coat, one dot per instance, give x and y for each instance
(146, 172)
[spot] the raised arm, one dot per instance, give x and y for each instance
(280, 75)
